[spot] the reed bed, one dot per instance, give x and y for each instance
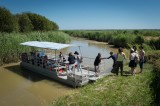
(10, 43)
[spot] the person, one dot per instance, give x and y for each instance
(79, 60)
(132, 63)
(38, 59)
(135, 49)
(119, 60)
(33, 57)
(141, 57)
(114, 59)
(137, 57)
(45, 59)
(97, 61)
(61, 57)
(71, 60)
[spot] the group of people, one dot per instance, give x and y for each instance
(73, 59)
(135, 58)
(118, 60)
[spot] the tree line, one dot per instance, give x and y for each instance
(24, 22)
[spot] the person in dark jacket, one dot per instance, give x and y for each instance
(71, 60)
(97, 61)
(113, 56)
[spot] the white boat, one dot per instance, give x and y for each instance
(52, 67)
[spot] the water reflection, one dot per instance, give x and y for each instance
(25, 73)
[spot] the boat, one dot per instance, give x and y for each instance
(52, 67)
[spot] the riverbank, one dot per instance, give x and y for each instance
(113, 90)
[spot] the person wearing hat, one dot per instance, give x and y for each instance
(79, 60)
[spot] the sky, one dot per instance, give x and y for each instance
(92, 14)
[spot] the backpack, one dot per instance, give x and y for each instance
(136, 59)
(80, 59)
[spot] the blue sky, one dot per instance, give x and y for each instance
(92, 14)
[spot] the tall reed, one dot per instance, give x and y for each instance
(10, 43)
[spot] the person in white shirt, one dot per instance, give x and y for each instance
(132, 63)
(79, 60)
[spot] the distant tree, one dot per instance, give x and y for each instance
(24, 22)
(8, 22)
(40, 23)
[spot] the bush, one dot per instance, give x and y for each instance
(155, 43)
(139, 40)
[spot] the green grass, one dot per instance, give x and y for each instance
(113, 91)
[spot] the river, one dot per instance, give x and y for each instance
(20, 87)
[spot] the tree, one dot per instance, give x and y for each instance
(8, 22)
(24, 22)
(41, 23)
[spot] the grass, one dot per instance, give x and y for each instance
(113, 91)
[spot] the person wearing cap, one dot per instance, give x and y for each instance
(79, 60)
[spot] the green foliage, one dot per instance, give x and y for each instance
(41, 23)
(154, 58)
(139, 40)
(150, 32)
(155, 43)
(8, 22)
(25, 24)
(123, 38)
(10, 43)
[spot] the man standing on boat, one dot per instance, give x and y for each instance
(71, 60)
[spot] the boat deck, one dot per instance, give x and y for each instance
(92, 76)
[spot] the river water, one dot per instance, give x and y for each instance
(19, 87)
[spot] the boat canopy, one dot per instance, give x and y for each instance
(46, 45)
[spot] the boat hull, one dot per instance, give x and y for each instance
(53, 74)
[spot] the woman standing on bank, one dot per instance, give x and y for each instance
(119, 60)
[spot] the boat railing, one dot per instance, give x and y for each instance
(54, 64)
